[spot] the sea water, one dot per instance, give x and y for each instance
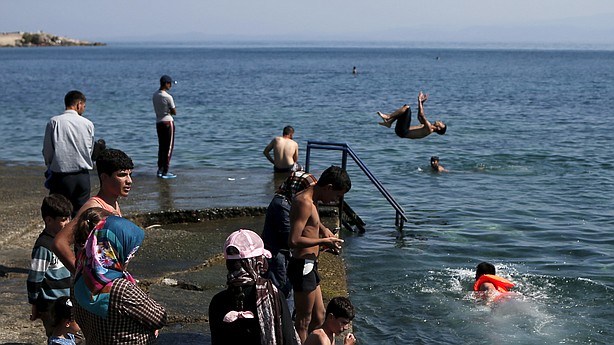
(528, 149)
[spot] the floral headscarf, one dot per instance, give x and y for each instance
(108, 249)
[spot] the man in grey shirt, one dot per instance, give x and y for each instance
(67, 150)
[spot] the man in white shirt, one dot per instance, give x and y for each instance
(67, 150)
(164, 106)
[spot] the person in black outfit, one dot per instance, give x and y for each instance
(251, 310)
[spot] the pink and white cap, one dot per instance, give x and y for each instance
(248, 243)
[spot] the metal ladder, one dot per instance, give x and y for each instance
(400, 217)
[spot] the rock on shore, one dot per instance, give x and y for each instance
(40, 39)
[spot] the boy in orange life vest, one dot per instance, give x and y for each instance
(487, 280)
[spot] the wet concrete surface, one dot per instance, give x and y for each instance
(180, 264)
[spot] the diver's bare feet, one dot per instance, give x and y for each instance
(386, 118)
(383, 116)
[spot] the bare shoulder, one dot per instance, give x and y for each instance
(88, 204)
(317, 337)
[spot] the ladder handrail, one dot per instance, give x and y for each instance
(400, 213)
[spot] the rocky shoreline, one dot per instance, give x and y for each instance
(40, 39)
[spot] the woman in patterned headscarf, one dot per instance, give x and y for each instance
(250, 310)
(111, 308)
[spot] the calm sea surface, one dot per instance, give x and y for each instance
(529, 149)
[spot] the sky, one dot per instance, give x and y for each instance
(499, 21)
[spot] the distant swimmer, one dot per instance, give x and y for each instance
(354, 71)
(436, 166)
(403, 118)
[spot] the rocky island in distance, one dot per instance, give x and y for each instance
(40, 39)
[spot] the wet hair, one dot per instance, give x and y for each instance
(73, 97)
(56, 205)
(484, 268)
(112, 160)
(340, 307)
(442, 131)
(434, 158)
(87, 222)
(61, 311)
(337, 177)
(288, 130)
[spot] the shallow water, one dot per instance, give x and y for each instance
(528, 149)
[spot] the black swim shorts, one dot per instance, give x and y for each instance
(402, 126)
(303, 274)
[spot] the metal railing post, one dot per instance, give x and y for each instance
(308, 154)
(400, 217)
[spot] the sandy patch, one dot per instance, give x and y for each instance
(9, 39)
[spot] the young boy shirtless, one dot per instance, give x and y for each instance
(339, 314)
(306, 237)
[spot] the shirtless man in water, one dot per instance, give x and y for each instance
(115, 174)
(306, 237)
(285, 152)
(403, 118)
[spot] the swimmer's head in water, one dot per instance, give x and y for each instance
(484, 268)
(435, 163)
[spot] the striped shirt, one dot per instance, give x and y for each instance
(133, 317)
(48, 279)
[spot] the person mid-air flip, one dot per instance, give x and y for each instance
(403, 118)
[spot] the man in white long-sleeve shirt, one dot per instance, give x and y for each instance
(165, 109)
(67, 150)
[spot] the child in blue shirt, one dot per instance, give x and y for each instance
(64, 327)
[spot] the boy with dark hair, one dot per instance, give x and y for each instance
(339, 314)
(112, 160)
(115, 174)
(277, 230)
(48, 279)
(337, 178)
(487, 280)
(435, 166)
(306, 237)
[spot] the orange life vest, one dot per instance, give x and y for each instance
(501, 284)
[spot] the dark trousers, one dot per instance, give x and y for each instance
(74, 186)
(166, 143)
